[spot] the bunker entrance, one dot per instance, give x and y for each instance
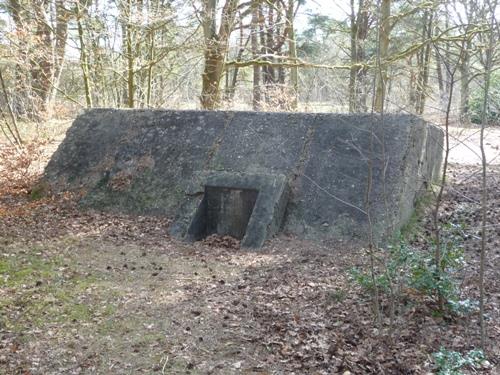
(224, 211)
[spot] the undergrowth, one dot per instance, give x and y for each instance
(408, 270)
(20, 167)
(450, 362)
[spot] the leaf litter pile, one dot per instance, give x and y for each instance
(85, 292)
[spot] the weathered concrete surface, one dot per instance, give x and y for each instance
(392, 157)
(334, 171)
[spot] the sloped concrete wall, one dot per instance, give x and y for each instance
(341, 169)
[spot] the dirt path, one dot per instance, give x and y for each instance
(464, 146)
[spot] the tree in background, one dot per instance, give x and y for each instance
(360, 20)
(38, 46)
(152, 53)
(216, 37)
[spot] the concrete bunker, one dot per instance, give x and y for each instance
(251, 174)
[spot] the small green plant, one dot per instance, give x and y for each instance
(450, 362)
(337, 295)
(463, 307)
(407, 268)
(364, 280)
(38, 191)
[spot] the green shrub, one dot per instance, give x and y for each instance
(450, 362)
(410, 268)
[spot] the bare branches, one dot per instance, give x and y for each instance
(13, 134)
(286, 64)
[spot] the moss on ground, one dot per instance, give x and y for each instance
(40, 290)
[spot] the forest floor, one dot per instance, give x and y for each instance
(86, 292)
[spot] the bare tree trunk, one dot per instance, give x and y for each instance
(83, 55)
(439, 72)
(437, 207)
(61, 35)
(42, 62)
(451, 72)
(488, 62)
(268, 71)
(353, 71)
(424, 62)
(150, 67)
(129, 56)
(256, 91)
(214, 64)
(216, 44)
(23, 70)
(357, 76)
(412, 83)
(232, 80)
(263, 52)
(384, 35)
(464, 84)
(292, 52)
(484, 208)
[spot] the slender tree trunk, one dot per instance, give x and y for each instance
(437, 229)
(42, 27)
(42, 64)
(488, 62)
(353, 73)
(130, 57)
(263, 51)
(83, 56)
(363, 20)
(384, 39)
(412, 83)
(268, 71)
(256, 91)
(484, 209)
(232, 79)
(464, 84)
(357, 75)
(451, 72)
(439, 73)
(424, 62)
(97, 78)
(292, 48)
(61, 36)
(150, 67)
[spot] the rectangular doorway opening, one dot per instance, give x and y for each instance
(224, 211)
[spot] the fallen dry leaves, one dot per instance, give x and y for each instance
(149, 304)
